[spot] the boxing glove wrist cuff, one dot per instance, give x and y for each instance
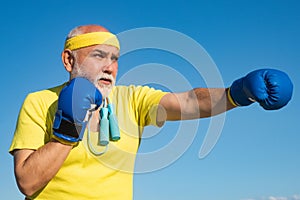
(65, 142)
(230, 98)
(238, 93)
(66, 130)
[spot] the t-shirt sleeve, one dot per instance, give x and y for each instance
(31, 128)
(147, 102)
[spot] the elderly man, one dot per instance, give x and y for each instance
(56, 155)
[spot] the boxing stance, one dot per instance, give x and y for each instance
(51, 158)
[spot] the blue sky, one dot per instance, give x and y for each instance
(257, 155)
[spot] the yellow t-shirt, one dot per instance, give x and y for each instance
(83, 174)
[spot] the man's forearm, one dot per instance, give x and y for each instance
(193, 104)
(34, 169)
(211, 101)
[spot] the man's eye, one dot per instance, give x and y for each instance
(114, 58)
(99, 55)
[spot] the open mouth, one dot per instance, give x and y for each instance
(105, 81)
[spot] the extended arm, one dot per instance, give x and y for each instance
(271, 88)
(196, 103)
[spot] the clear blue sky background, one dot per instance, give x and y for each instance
(257, 156)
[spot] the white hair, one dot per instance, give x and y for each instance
(74, 32)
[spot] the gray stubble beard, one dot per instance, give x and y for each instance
(104, 89)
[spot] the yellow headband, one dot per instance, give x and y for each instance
(89, 39)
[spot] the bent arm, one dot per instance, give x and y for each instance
(196, 103)
(35, 168)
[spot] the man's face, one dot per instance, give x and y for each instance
(99, 64)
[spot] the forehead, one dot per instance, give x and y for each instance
(103, 47)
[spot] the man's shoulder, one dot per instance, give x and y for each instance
(130, 88)
(47, 96)
(125, 91)
(135, 92)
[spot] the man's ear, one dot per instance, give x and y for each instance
(68, 59)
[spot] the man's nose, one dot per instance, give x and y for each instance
(108, 66)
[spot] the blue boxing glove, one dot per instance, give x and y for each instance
(271, 88)
(75, 103)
